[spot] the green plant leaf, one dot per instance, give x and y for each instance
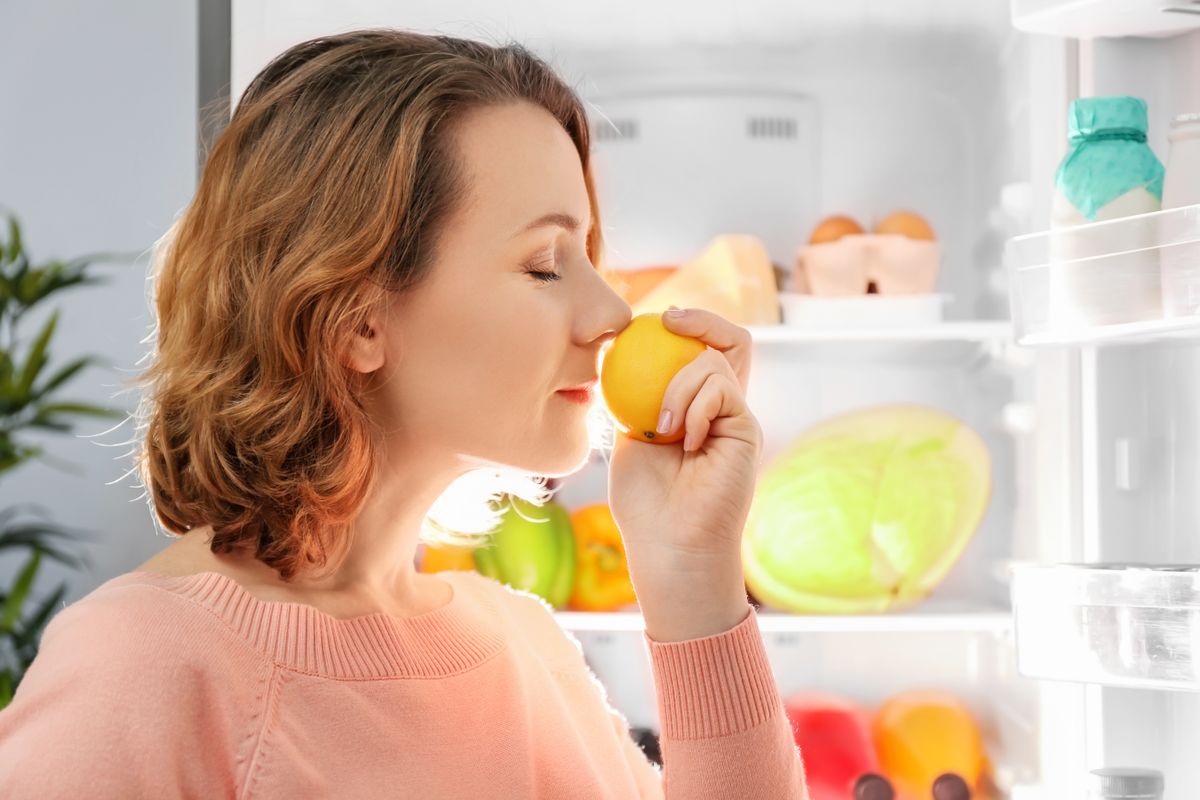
(18, 276)
(50, 425)
(38, 536)
(44, 419)
(6, 369)
(63, 375)
(20, 590)
(78, 408)
(37, 357)
(17, 454)
(6, 687)
(51, 277)
(29, 508)
(31, 629)
(14, 238)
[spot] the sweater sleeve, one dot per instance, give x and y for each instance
(134, 692)
(725, 733)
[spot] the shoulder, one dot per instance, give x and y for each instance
(529, 618)
(513, 602)
(128, 626)
(133, 675)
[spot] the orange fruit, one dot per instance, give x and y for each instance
(439, 558)
(920, 735)
(906, 223)
(833, 228)
(635, 370)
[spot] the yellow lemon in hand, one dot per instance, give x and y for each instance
(635, 371)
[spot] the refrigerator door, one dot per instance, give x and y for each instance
(1104, 610)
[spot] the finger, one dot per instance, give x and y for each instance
(686, 383)
(717, 398)
(718, 333)
(744, 428)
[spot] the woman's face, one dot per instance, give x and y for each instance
(476, 354)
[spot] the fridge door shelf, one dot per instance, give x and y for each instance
(1088, 19)
(1120, 280)
(1127, 625)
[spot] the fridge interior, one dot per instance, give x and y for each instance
(764, 119)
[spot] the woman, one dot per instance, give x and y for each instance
(380, 288)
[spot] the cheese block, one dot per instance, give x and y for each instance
(634, 284)
(733, 277)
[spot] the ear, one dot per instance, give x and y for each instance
(365, 352)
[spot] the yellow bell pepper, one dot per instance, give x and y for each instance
(601, 571)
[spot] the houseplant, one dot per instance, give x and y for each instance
(28, 400)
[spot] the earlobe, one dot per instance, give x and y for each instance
(365, 351)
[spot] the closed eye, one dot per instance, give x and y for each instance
(536, 266)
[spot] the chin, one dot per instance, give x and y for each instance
(564, 454)
(569, 463)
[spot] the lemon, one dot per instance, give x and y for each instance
(635, 371)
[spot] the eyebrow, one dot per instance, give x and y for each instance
(558, 218)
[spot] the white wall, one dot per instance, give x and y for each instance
(97, 153)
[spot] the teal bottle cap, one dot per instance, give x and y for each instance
(1091, 115)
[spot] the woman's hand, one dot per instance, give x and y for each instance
(682, 507)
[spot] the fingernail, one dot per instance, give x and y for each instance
(675, 312)
(664, 421)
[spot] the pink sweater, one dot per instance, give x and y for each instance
(162, 687)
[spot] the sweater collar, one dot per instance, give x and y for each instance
(453, 638)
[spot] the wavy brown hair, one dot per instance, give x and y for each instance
(325, 194)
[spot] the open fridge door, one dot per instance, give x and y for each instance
(1107, 610)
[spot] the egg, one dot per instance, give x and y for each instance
(833, 228)
(906, 223)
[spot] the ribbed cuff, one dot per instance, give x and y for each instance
(715, 685)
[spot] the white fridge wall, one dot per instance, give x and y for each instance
(898, 121)
(914, 102)
(659, 153)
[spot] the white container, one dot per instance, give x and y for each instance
(1125, 783)
(861, 311)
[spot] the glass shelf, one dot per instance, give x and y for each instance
(933, 343)
(969, 331)
(1111, 624)
(1122, 280)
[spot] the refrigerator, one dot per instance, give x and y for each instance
(1070, 625)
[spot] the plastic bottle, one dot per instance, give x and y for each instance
(1181, 187)
(1108, 172)
(1181, 184)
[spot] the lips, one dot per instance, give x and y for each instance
(582, 387)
